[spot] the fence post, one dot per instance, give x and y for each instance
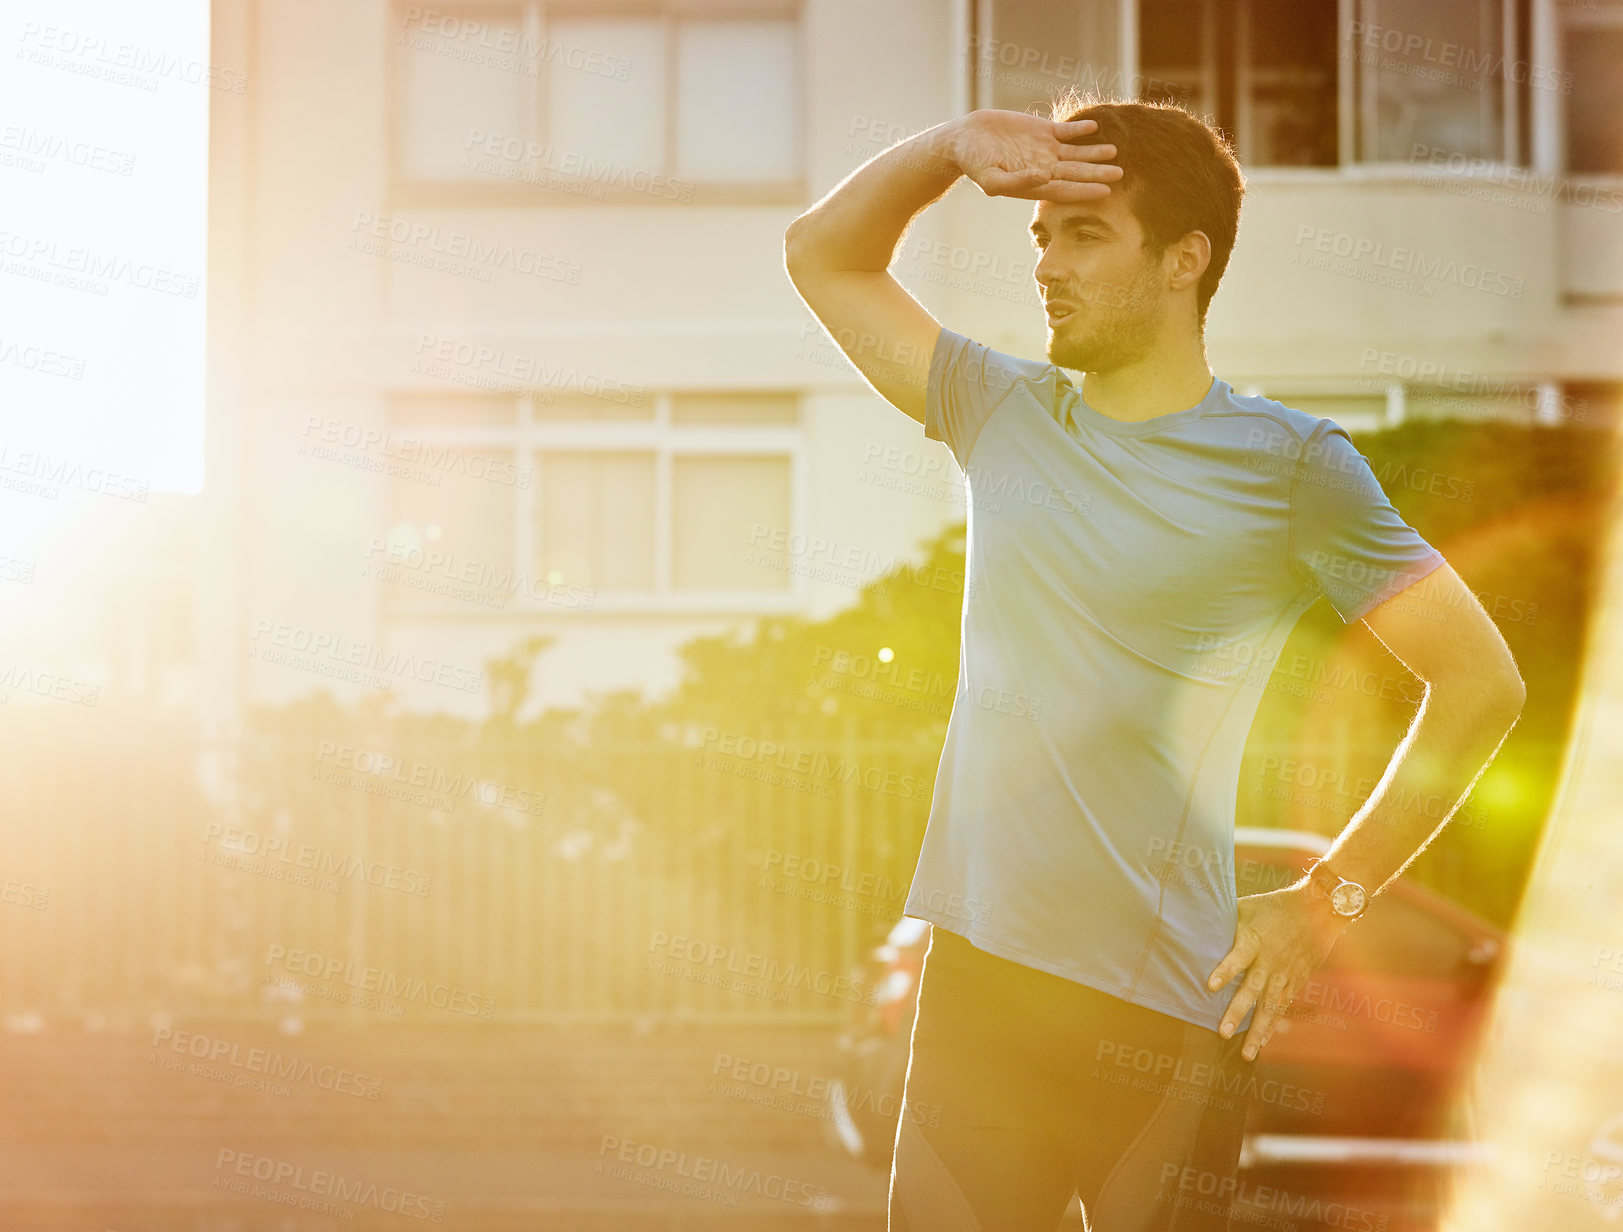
(849, 820)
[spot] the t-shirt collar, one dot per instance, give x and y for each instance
(1079, 412)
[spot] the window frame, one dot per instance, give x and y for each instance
(1288, 391)
(1544, 123)
(1397, 393)
(1568, 17)
(403, 191)
(530, 437)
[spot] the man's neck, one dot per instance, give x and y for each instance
(1165, 381)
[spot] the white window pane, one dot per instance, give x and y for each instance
(737, 82)
(718, 504)
(1435, 70)
(596, 520)
(591, 112)
(453, 84)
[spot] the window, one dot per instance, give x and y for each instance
(1022, 51)
(1285, 98)
(544, 101)
(1390, 400)
(1591, 51)
(1178, 54)
(595, 517)
(1297, 83)
(1444, 76)
(536, 503)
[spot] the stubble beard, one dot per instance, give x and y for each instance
(1119, 334)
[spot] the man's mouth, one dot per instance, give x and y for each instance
(1058, 310)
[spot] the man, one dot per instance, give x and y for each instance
(1078, 1028)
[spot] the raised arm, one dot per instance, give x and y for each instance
(838, 253)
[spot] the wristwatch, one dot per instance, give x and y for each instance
(1347, 898)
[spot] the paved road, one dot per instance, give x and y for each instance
(467, 1129)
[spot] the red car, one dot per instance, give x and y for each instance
(1371, 1056)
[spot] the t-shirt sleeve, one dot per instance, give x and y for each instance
(966, 384)
(1346, 539)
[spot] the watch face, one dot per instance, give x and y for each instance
(1347, 899)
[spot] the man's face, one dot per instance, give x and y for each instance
(1106, 297)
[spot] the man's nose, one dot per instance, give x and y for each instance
(1046, 273)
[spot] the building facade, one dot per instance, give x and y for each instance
(501, 345)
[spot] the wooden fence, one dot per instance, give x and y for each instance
(732, 879)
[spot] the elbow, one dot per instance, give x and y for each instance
(1507, 697)
(791, 250)
(1516, 694)
(797, 244)
(1489, 698)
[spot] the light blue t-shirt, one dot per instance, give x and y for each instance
(1129, 587)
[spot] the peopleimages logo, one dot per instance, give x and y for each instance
(1373, 260)
(481, 255)
(1525, 179)
(212, 1052)
(525, 370)
(96, 55)
(296, 646)
(1450, 61)
(524, 157)
(95, 270)
(317, 1185)
(38, 146)
(385, 983)
(473, 35)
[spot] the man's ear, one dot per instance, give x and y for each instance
(1190, 257)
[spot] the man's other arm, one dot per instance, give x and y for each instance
(1473, 696)
(838, 253)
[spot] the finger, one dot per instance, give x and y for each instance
(1066, 192)
(1234, 962)
(1262, 1022)
(1074, 130)
(1083, 153)
(1240, 1004)
(1262, 1030)
(1085, 172)
(996, 182)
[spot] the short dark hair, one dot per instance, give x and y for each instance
(1179, 174)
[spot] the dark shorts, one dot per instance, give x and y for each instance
(1023, 1087)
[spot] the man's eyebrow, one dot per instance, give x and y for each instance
(1075, 221)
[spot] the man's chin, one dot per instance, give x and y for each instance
(1068, 353)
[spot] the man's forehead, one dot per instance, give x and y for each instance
(1111, 211)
